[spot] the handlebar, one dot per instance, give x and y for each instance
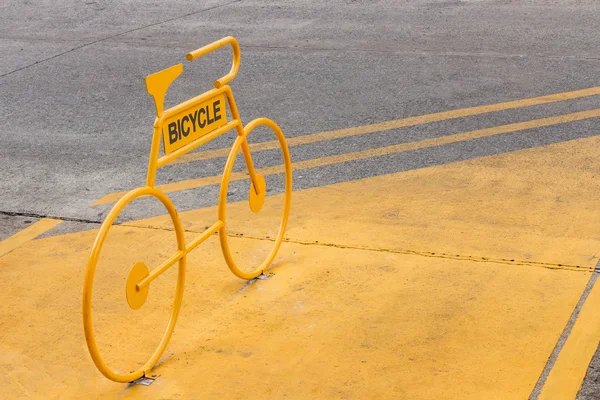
(192, 55)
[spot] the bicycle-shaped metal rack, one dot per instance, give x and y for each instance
(183, 128)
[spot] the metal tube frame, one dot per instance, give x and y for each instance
(157, 85)
(155, 161)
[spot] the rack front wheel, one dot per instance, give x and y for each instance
(256, 198)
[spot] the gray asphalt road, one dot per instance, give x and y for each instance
(77, 122)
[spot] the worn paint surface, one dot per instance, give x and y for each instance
(31, 232)
(331, 322)
(368, 311)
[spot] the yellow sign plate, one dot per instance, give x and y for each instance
(193, 123)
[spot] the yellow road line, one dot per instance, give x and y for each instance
(359, 155)
(399, 123)
(27, 234)
(568, 373)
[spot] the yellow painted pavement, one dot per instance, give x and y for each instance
(531, 206)
(450, 282)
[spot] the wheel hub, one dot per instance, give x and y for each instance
(257, 199)
(136, 298)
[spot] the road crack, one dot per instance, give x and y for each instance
(461, 257)
(40, 216)
(119, 34)
(420, 253)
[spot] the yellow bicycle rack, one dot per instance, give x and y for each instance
(184, 128)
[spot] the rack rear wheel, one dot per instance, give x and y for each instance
(135, 297)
